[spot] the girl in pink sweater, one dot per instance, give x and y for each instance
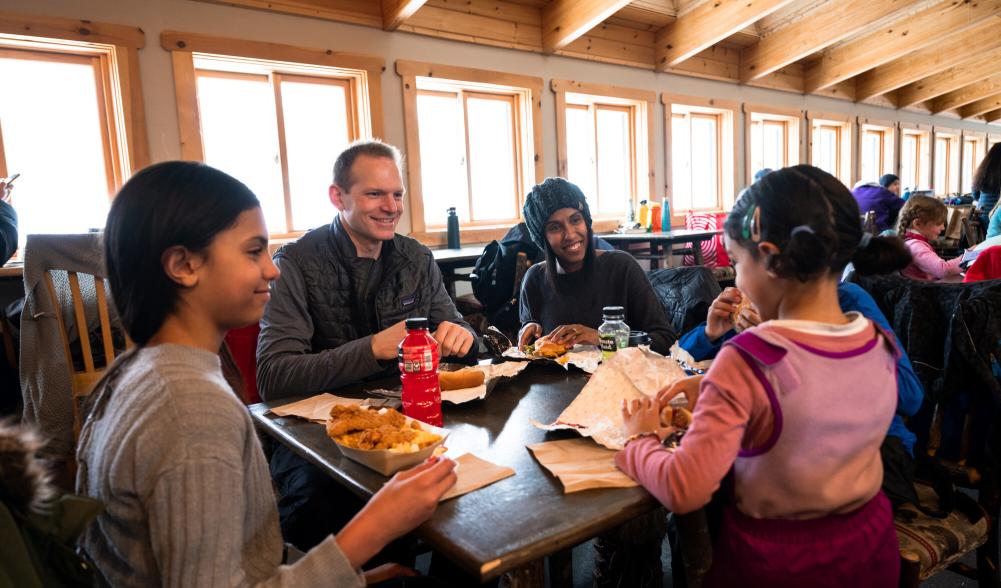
(793, 411)
(921, 220)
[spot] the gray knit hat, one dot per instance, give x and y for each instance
(545, 199)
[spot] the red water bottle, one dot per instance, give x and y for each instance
(419, 373)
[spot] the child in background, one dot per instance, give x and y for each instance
(167, 446)
(921, 220)
(796, 408)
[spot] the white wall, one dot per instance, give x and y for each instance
(154, 16)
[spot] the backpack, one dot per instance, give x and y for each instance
(494, 273)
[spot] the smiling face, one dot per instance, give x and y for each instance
(930, 229)
(235, 274)
(372, 206)
(566, 232)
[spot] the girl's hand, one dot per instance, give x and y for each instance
(529, 333)
(643, 416)
(719, 320)
(408, 499)
(570, 335)
(747, 318)
(687, 386)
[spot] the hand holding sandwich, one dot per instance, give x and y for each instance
(570, 335)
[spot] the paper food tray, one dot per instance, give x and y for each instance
(585, 357)
(493, 374)
(387, 462)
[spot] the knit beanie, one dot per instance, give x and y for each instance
(545, 199)
(886, 179)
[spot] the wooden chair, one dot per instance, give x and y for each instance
(974, 231)
(869, 222)
(83, 380)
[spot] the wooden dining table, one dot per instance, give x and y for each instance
(508, 527)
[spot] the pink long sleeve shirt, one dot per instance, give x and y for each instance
(735, 415)
(927, 265)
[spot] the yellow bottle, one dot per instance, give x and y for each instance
(644, 215)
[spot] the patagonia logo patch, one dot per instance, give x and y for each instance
(408, 300)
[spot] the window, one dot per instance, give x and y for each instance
(68, 123)
(974, 150)
(276, 125)
(876, 149)
(947, 158)
(915, 157)
(831, 145)
(603, 139)
(701, 153)
(472, 140)
(773, 138)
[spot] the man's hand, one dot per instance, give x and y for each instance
(643, 416)
(386, 343)
(453, 340)
(529, 333)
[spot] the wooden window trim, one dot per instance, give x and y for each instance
(792, 115)
(727, 110)
(979, 138)
(519, 175)
(953, 162)
(924, 160)
(848, 153)
(717, 118)
(117, 48)
(531, 122)
(285, 59)
(641, 104)
(890, 142)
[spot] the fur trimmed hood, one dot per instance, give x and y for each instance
(25, 483)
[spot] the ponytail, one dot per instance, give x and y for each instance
(880, 255)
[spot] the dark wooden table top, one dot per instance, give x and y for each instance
(510, 523)
(673, 236)
(457, 257)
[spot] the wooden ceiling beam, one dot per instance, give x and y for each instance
(395, 12)
(821, 28)
(920, 30)
(707, 24)
(969, 72)
(564, 21)
(981, 106)
(978, 90)
(952, 50)
(993, 115)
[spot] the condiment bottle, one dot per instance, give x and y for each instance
(644, 215)
(418, 360)
(613, 334)
(655, 218)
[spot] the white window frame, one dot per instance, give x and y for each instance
(795, 145)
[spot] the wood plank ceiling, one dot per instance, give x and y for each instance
(927, 55)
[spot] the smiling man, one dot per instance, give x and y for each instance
(337, 312)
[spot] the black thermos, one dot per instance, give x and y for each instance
(453, 229)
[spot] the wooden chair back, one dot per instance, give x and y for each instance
(83, 380)
(869, 222)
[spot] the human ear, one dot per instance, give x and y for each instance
(336, 196)
(769, 252)
(181, 265)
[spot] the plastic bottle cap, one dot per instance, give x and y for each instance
(613, 312)
(417, 323)
(637, 338)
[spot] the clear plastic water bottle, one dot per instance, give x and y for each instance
(613, 334)
(418, 357)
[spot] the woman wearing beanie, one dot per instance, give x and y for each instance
(883, 198)
(562, 297)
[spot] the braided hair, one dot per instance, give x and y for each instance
(922, 208)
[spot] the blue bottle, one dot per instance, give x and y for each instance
(453, 229)
(665, 216)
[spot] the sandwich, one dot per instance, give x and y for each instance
(548, 349)
(680, 418)
(744, 303)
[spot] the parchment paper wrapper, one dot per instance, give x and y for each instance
(475, 473)
(493, 374)
(579, 464)
(629, 374)
(317, 408)
(687, 360)
(585, 357)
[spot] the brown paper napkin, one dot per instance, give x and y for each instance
(581, 464)
(475, 473)
(315, 408)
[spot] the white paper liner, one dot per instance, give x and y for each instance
(493, 374)
(585, 357)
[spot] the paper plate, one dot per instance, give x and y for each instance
(388, 462)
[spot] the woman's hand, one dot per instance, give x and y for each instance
(570, 335)
(387, 572)
(643, 416)
(529, 333)
(719, 320)
(687, 386)
(408, 499)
